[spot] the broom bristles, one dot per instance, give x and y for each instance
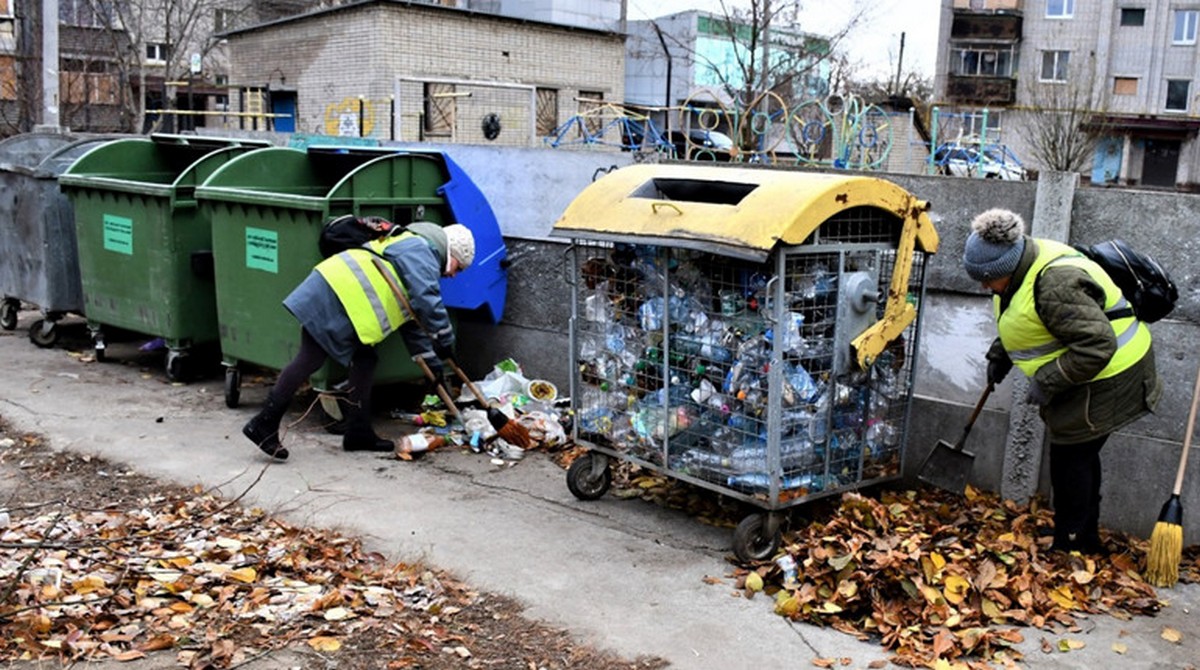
(515, 434)
(1166, 550)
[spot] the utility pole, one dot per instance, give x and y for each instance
(49, 67)
(899, 66)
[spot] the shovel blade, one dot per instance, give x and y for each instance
(947, 468)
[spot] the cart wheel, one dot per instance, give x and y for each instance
(177, 364)
(750, 541)
(44, 333)
(98, 349)
(582, 480)
(233, 386)
(8, 313)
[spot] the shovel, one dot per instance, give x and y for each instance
(948, 466)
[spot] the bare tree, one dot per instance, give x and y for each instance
(1063, 119)
(155, 42)
(771, 62)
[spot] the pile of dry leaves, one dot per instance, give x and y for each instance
(98, 562)
(930, 575)
(934, 576)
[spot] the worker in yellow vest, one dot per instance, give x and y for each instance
(347, 305)
(1065, 324)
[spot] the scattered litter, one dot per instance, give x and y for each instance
(534, 405)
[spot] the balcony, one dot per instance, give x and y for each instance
(988, 5)
(991, 27)
(981, 90)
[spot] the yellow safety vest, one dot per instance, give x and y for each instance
(1030, 345)
(369, 301)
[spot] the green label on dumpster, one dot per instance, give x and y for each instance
(262, 249)
(118, 234)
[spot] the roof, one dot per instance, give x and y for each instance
(735, 211)
(413, 4)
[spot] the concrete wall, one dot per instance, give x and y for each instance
(530, 188)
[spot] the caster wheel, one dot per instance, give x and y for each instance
(98, 350)
(750, 540)
(8, 313)
(44, 333)
(177, 364)
(582, 480)
(233, 387)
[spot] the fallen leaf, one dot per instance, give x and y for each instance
(824, 662)
(1119, 647)
(324, 643)
(1171, 635)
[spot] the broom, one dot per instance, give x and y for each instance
(507, 429)
(1166, 542)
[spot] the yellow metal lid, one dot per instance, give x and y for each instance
(734, 211)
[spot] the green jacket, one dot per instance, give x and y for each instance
(1070, 304)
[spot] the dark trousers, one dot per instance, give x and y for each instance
(311, 357)
(1075, 478)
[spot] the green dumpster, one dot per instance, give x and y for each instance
(267, 209)
(145, 256)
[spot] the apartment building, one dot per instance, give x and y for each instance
(1117, 78)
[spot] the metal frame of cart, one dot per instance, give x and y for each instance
(752, 332)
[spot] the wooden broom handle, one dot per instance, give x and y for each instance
(441, 390)
(413, 315)
(1187, 439)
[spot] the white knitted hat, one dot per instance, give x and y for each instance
(460, 244)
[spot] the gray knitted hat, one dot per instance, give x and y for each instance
(995, 245)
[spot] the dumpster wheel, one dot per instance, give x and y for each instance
(178, 363)
(8, 313)
(44, 333)
(757, 537)
(589, 476)
(233, 386)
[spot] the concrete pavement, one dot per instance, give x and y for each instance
(624, 575)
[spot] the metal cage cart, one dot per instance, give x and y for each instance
(753, 332)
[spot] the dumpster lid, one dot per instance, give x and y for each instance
(741, 212)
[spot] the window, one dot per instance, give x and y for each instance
(156, 53)
(590, 103)
(1133, 17)
(973, 124)
(547, 111)
(1185, 26)
(985, 60)
(222, 20)
(86, 13)
(1054, 65)
(441, 105)
(1177, 95)
(1125, 86)
(1060, 9)
(9, 89)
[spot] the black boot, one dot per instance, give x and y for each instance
(263, 429)
(360, 436)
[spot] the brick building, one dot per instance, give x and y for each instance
(417, 71)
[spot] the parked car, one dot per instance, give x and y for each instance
(699, 144)
(991, 161)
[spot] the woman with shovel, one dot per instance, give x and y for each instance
(1064, 323)
(347, 305)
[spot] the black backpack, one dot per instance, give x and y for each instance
(350, 231)
(1145, 283)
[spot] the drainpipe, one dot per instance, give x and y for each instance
(667, 102)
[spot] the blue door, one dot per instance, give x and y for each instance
(284, 102)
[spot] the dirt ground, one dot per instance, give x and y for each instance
(483, 631)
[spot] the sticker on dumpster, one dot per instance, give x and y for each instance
(262, 249)
(118, 234)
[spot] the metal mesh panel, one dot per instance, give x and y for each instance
(740, 376)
